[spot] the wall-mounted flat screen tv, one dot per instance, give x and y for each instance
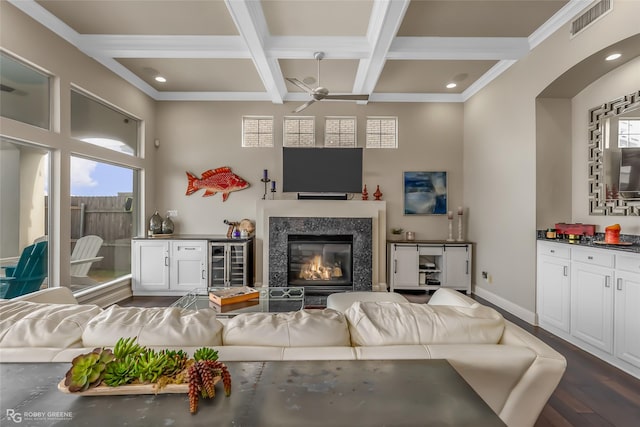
(322, 170)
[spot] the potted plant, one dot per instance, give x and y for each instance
(396, 232)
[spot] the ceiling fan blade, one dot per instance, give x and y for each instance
(347, 97)
(299, 84)
(303, 106)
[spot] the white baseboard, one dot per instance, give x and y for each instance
(516, 310)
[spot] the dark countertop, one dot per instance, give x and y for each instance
(599, 237)
(209, 237)
(429, 242)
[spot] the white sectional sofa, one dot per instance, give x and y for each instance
(513, 371)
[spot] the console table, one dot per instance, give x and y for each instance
(291, 393)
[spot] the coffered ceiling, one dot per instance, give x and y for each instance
(393, 50)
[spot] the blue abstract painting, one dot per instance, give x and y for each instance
(425, 193)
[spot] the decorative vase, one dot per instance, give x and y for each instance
(378, 193)
(167, 225)
(155, 224)
(365, 193)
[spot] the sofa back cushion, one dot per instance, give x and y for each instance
(31, 324)
(167, 326)
(304, 328)
(389, 323)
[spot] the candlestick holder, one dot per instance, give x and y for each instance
(450, 238)
(273, 193)
(460, 239)
(265, 181)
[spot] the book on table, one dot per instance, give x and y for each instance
(233, 295)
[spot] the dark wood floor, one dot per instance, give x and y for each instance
(592, 393)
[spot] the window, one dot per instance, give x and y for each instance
(629, 133)
(340, 132)
(299, 132)
(98, 124)
(382, 132)
(102, 196)
(25, 93)
(24, 183)
(257, 131)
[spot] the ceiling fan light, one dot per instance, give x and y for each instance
(613, 56)
(160, 79)
(451, 85)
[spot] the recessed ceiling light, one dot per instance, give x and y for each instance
(613, 56)
(451, 85)
(160, 79)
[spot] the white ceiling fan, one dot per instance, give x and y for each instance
(320, 93)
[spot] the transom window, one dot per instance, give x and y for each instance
(257, 131)
(299, 132)
(340, 132)
(382, 132)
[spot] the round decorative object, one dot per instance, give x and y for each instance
(155, 223)
(167, 225)
(246, 225)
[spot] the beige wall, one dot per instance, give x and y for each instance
(619, 82)
(196, 136)
(500, 158)
(553, 162)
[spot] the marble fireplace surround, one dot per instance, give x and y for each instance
(335, 209)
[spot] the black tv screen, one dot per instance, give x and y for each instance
(322, 170)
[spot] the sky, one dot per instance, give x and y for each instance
(91, 178)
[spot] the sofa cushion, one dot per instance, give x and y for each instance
(304, 328)
(389, 323)
(167, 326)
(31, 324)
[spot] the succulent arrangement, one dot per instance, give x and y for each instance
(131, 363)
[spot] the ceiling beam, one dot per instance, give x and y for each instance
(252, 25)
(386, 17)
(453, 48)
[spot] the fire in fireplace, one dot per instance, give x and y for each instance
(321, 263)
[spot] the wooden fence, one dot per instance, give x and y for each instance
(110, 217)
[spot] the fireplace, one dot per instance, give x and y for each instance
(323, 235)
(322, 264)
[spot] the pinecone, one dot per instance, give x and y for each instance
(207, 376)
(195, 385)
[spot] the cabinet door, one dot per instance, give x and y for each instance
(236, 264)
(592, 305)
(150, 269)
(554, 292)
(627, 317)
(217, 272)
(404, 266)
(457, 268)
(188, 265)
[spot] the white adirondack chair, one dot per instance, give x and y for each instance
(83, 255)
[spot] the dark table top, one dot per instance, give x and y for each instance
(293, 393)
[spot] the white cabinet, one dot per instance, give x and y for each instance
(592, 305)
(554, 291)
(188, 265)
(597, 305)
(168, 267)
(627, 314)
(150, 265)
(430, 266)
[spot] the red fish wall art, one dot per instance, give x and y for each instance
(216, 180)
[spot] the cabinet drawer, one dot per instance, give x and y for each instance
(593, 257)
(554, 249)
(628, 263)
(430, 250)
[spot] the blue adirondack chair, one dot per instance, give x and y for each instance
(27, 276)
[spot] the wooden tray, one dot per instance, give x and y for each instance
(233, 295)
(617, 244)
(103, 390)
